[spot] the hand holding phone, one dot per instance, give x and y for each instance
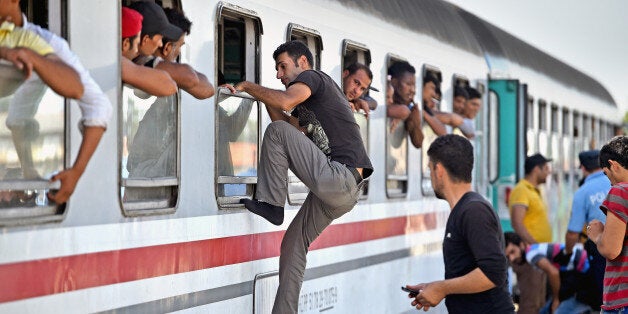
(412, 292)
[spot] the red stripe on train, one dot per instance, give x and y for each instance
(62, 274)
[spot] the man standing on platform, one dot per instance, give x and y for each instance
(528, 214)
(473, 249)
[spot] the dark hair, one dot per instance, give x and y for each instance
(617, 150)
(131, 39)
(455, 153)
(178, 19)
(460, 92)
(359, 66)
(295, 50)
(473, 93)
(430, 77)
(398, 69)
(511, 237)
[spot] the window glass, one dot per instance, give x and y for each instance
(32, 133)
(237, 115)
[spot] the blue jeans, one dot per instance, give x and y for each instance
(569, 306)
(621, 310)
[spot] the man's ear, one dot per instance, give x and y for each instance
(303, 63)
(345, 73)
(126, 44)
(167, 49)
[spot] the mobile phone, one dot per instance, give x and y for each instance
(412, 292)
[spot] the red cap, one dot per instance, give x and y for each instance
(131, 22)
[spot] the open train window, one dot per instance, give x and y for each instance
(396, 150)
(352, 53)
(237, 115)
(32, 133)
(428, 134)
(297, 191)
(310, 37)
(149, 156)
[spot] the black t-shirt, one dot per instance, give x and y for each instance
(331, 108)
(474, 238)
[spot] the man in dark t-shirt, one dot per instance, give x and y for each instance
(320, 142)
(475, 264)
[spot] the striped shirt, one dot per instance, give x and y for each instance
(616, 275)
(578, 261)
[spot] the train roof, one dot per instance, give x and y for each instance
(449, 23)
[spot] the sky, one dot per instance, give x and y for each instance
(591, 36)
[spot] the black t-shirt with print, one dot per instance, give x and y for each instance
(331, 108)
(474, 239)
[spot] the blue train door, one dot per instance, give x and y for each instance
(506, 142)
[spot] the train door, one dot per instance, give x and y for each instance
(506, 142)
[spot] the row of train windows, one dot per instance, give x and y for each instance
(150, 137)
(582, 125)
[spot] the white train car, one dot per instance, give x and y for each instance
(190, 247)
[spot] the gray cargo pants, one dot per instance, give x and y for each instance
(333, 192)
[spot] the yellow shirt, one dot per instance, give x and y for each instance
(12, 37)
(535, 220)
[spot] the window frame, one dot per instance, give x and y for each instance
(252, 23)
(151, 207)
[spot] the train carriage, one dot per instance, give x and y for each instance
(179, 241)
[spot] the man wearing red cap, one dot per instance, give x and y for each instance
(154, 82)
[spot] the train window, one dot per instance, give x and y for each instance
(530, 113)
(493, 136)
(428, 134)
(297, 191)
(237, 115)
(150, 165)
(554, 118)
(310, 37)
(32, 133)
(354, 52)
(396, 150)
(542, 115)
(565, 127)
